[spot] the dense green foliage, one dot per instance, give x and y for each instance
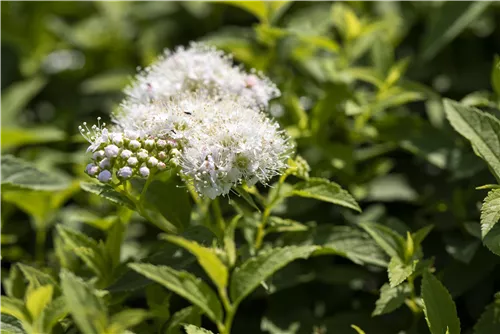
(386, 220)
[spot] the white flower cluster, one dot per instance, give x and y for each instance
(192, 110)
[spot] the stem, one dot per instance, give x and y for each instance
(41, 236)
(221, 224)
(145, 189)
(230, 313)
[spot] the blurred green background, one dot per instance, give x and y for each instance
(361, 96)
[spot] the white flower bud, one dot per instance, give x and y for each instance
(132, 161)
(144, 171)
(251, 81)
(134, 145)
(149, 144)
(111, 151)
(126, 154)
(105, 163)
(152, 162)
(124, 172)
(117, 139)
(161, 166)
(162, 155)
(142, 155)
(160, 143)
(91, 169)
(98, 155)
(104, 176)
(131, 135)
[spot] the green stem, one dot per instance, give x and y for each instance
(221, 224)
(41, 236)
(230, 313)
(145, 189)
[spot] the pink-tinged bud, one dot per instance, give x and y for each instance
(161, 166)
(124, 173)
(251, 81)
(111, 151)
(161, 143)
(162, 155)
(104, 176)
(144, 171)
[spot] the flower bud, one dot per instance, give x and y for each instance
(111, 151)
(131, 135)
(162, 155)
(132, 161)
(124, 173)
(105, 163)
(134, 145)
(161, 143)
(142, 155)
(144, 171)
(126, 154)
(91, 169)
(98, 155)
(104, 176)
(149, 144)
(251, 81)
(161, 166)
(152, 162)
(117, 139)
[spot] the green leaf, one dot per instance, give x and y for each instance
(439, 309)
(324, 190)
(15, 307)
(14, 137)
(447, 22)
(229, 244)
(207, 258)
(392, 243)
(420, 235)
(257, 8)
(19, 174)
(495, 75)
(399, 271)
(184, 284)
(280, 225)
(489, 323)
(10, 325)
(86, 307)
(190, 329)
(255, 270)
(391, 298)
(126, 319)
(480, 128)
(86, 249)
(490, 212)
(190, 315)
(37, 299)
(54, 312)
(246, 196)
(35, 277)
(108, 193)
(17, 96)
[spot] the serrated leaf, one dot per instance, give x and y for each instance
(447, 22)
(189, 315)
(391, 298)
(490, 212)
(399, 271)
(37, 299)
(324, 190)
(86, 249)
(191, 329)
(20, 174)
(420, 235)
(184, 284)
(392, 243)
(278, 224)
(207, 258)
(108, 193)
(255, 270)
(15, 307)
(489, 323)
(439, 309)
(125, 319)
(35, 277)
(480, 128)
(85, 305)
(54, 312)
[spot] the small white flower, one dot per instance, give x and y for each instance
(104, 176)
(132, 161)
(144, 171)
(97, 135)
(111, 151)
(126, 154)
(124, 172)
(134, 145)
(117, 139)
(152, 162)
(98, 155)
(105, 163)
(149, 144)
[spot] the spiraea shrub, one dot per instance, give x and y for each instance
(250, 167)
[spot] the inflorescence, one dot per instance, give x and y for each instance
(194, 111)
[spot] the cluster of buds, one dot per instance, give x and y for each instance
(125, 154)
